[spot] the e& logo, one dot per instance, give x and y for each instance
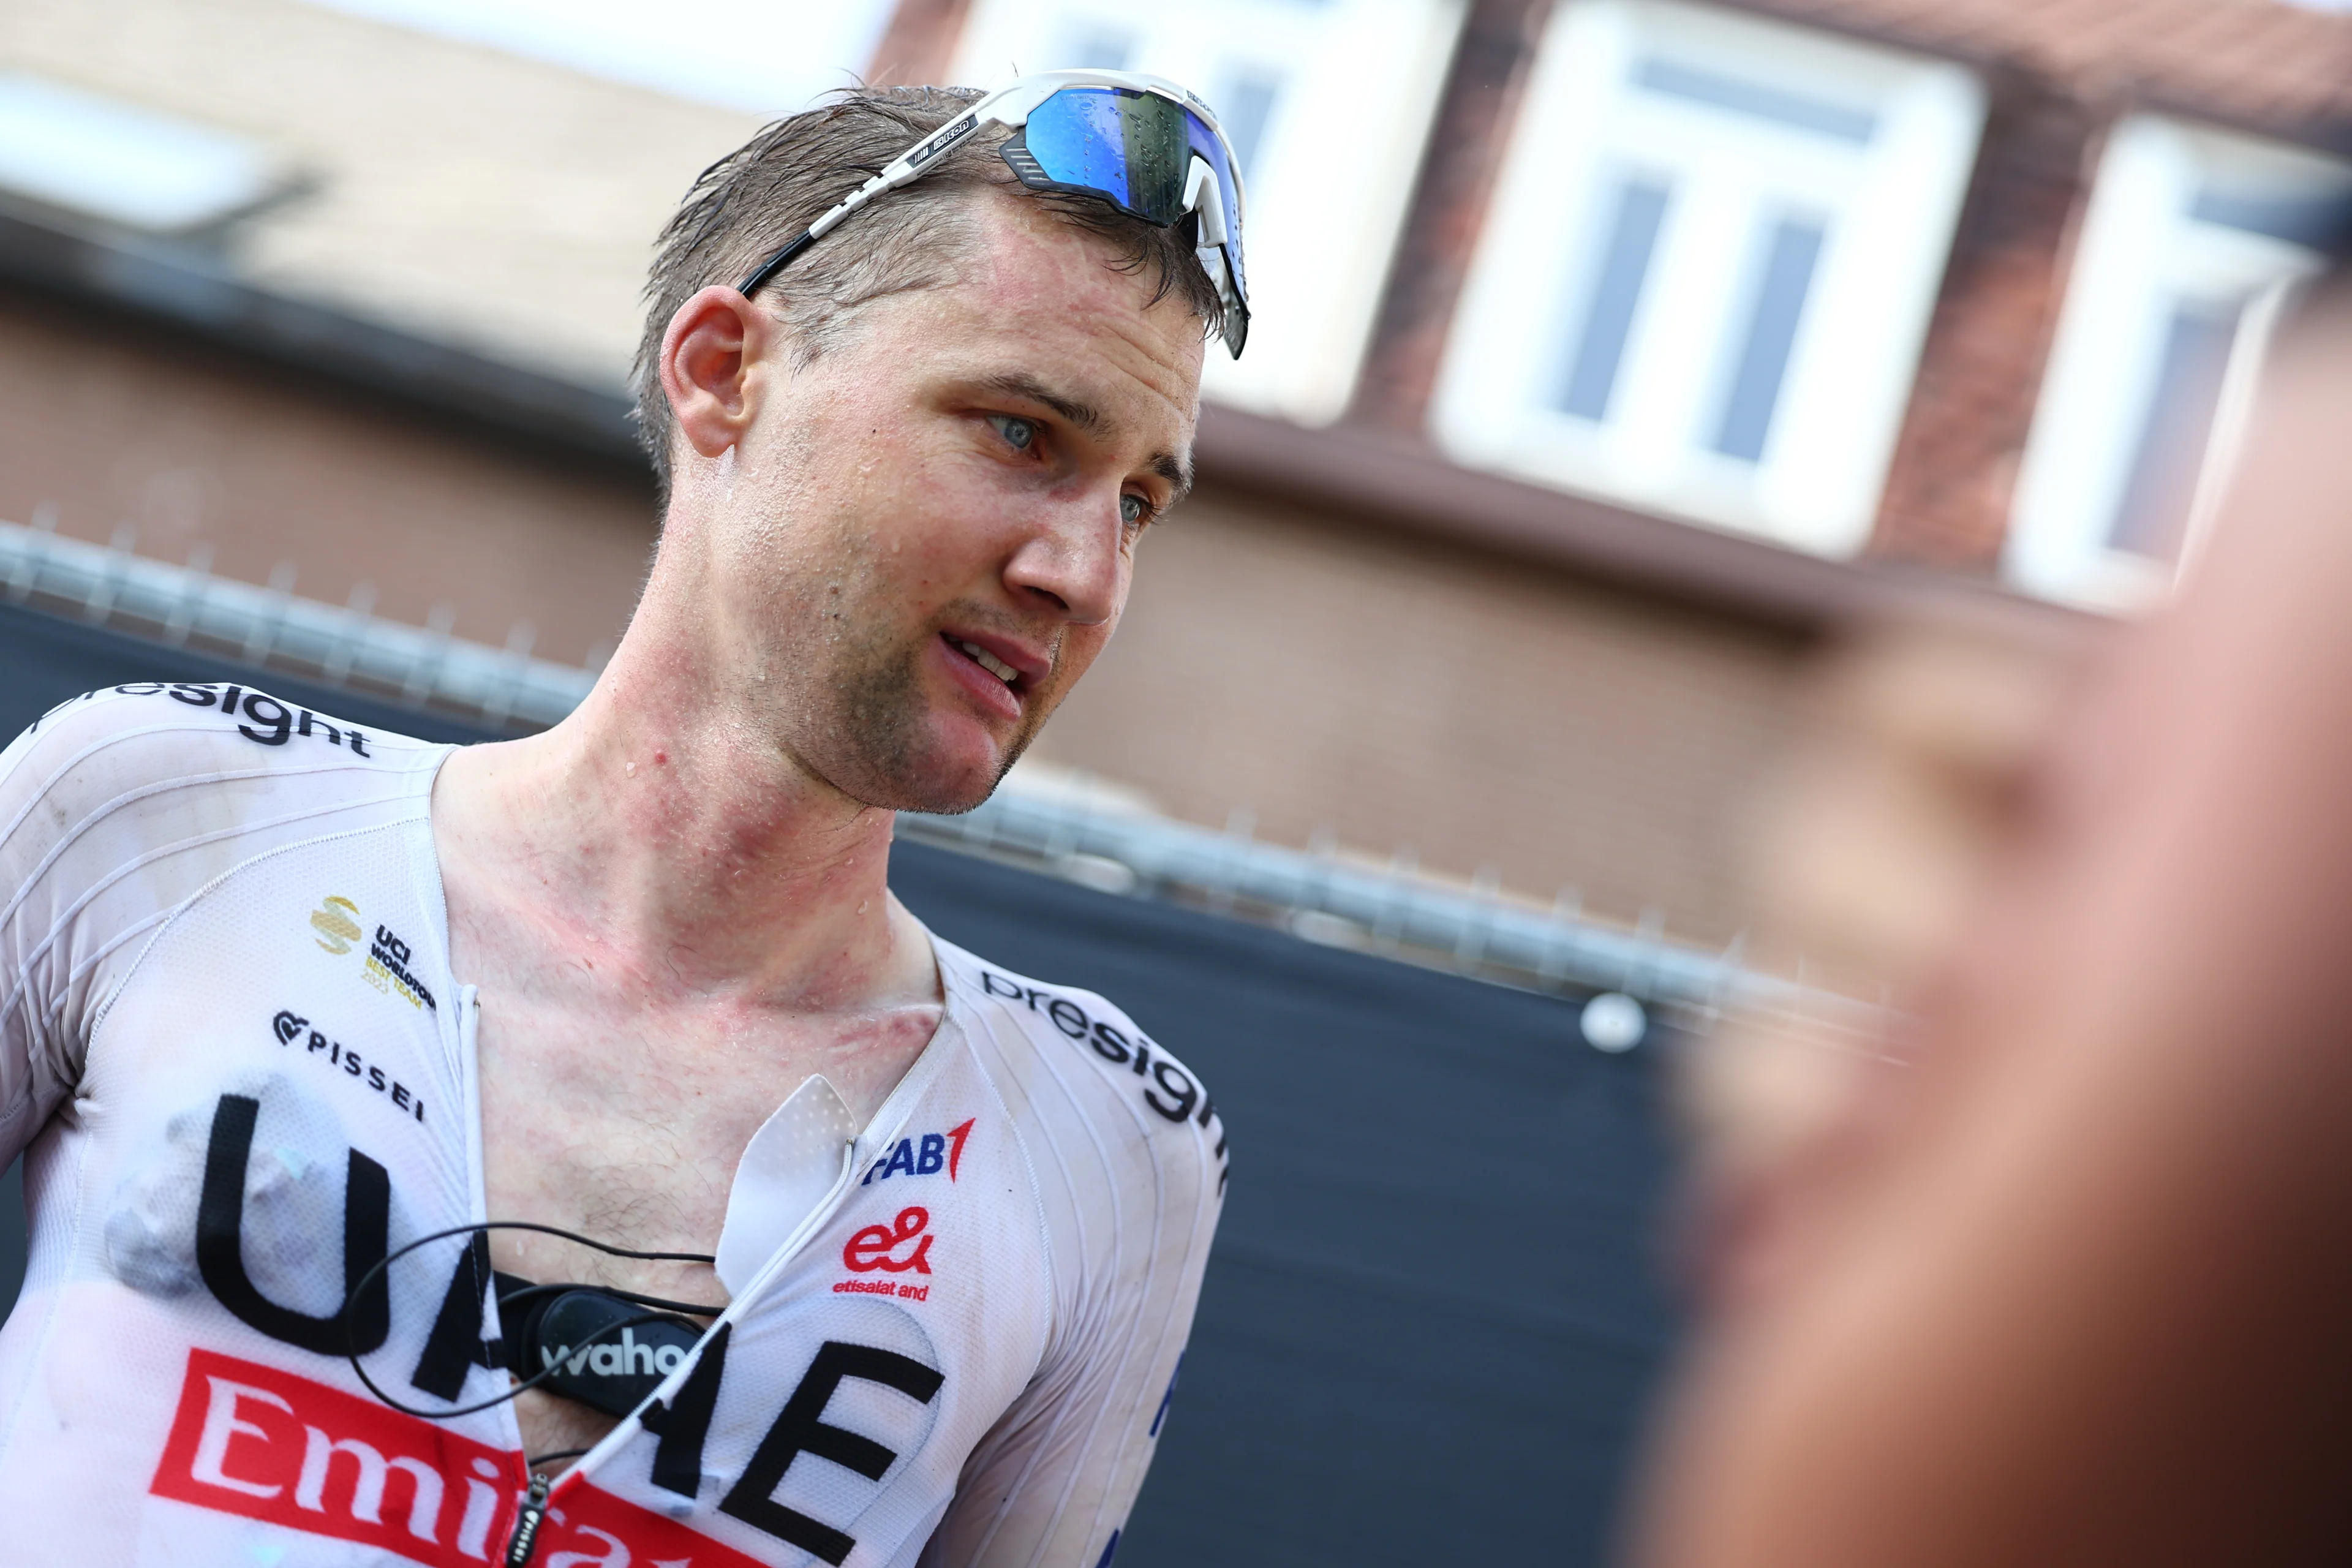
(876, 1246)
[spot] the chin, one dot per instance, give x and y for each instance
(951, 792)
(940, 781)
(892, 750)
(954, 805)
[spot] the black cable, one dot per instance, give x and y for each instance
(524, 1386)
(350, 1329)
(537, 1459)
(635, 1299)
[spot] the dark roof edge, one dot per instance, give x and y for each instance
(1375, 477)
(1365, 475)
(189, 289)
(2117, 89)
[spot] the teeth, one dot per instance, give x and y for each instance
(990, 663)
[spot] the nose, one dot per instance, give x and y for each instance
(1074, 558)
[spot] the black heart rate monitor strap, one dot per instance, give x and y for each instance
(593, 1346)
(603, 1346)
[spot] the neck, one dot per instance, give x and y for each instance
(655, 831)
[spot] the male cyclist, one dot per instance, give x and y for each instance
(363, 1081)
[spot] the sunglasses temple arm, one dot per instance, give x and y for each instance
(1213, 233)
(1207, 203)
(901, 171)
(775, 264)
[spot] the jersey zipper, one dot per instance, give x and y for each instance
(524, 1540)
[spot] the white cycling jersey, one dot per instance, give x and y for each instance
(242, 1072)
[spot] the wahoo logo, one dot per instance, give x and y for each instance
(625, 1356)
(336, 922)
(600, 1350)
(925, 1156)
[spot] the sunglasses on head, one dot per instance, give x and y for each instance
(1140, 143)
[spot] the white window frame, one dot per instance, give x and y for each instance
(1884, 193)
(2142, 255)
(125, 165)
(1332, 176)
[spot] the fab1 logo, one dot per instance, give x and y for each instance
(925, 1156)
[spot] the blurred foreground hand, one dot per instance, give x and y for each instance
(1874, 844)
(2063, 1278)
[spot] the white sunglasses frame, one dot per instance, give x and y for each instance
(1010, 105)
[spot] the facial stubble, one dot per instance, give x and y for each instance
(872, 711)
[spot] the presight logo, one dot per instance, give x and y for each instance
(337, 922)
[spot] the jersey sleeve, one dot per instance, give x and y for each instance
(1051, 1484)
(47, 970)
(120, 806)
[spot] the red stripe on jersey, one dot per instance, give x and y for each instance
(259, 1442)
(265, 1445)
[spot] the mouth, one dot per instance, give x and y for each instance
(986, 660)
(999, 675)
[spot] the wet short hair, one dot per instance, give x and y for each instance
(757, 199)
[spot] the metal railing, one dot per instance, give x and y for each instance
(344, 646)
(1342, 901)
(1070, 827)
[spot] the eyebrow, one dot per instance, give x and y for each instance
(1077, 410)
(1088, 419)
(1178, 475)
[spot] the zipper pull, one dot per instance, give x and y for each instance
(525, 1539)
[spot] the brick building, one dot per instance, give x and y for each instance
(1614, 354)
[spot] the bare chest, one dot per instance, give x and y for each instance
(629, 1132)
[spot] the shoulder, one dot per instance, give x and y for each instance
(153, 731)
(1110, 1071)
(154, 768)
(119, 808)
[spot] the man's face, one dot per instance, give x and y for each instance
(926, 535)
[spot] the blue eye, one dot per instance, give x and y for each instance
(1133, 509)
(1018, 433)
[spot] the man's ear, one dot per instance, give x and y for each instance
(711, 359)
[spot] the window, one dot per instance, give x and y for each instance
(1326, 103)
(1707, 268)
(67, 150)
(2191, 246)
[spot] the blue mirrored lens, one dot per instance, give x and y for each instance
(1131, 147)
(1136, 149)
